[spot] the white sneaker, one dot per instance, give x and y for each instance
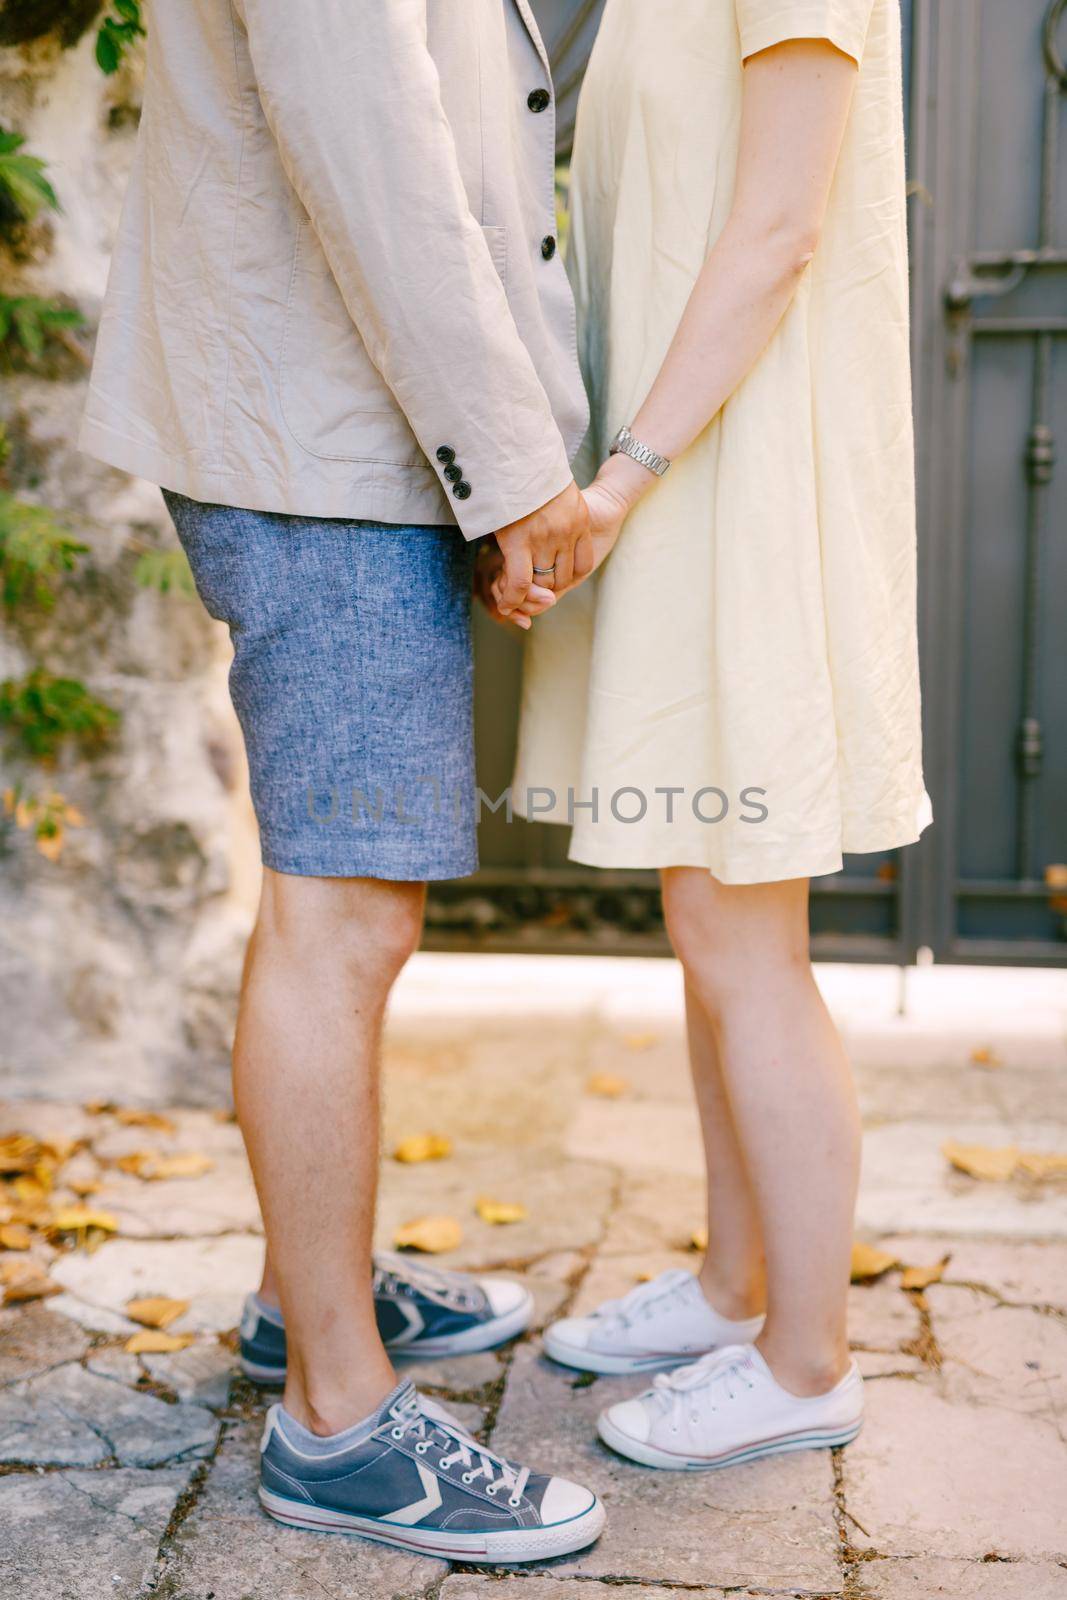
(726, 1409)
(662, 1324)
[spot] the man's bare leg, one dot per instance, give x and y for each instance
(323, 958)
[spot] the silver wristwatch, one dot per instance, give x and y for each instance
(624, 444)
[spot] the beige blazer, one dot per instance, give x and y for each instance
(335, 290)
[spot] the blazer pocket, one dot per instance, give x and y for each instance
(335, 402)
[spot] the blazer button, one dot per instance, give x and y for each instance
(548, 247)
(446, 455)
(462, 491)
(453, 473)
(539, 100)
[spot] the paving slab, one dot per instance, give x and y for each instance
(201, 1374)
(907, 1186)
(932, 1476)
(881, 1316)
(34, 1339)
(491, 1084)
(533, 1588)
(567, 1203)
(221, 1201)
(85, 1535)
(637, 1135)
(769, 1524)
(1024, 1273)
(919, 1089)
(452, 1374)
(214, 1274)
(964, 1580)
(655, 1211)
(228, 1549)
(653, 1062)
(1000, 1355)
(70, 1417)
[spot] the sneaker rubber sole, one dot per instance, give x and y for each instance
(513, 1548)
(572, 1355)
(482, 1336)
(648, 1455)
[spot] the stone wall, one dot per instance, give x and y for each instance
(119, 962)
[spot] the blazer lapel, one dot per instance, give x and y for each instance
(523, 8)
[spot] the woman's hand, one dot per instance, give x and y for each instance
(612, 495)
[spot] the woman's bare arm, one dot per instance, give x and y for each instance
(797, 97)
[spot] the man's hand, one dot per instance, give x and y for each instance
(488, 570)
(555, 540)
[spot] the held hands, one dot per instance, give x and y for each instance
(505, 581)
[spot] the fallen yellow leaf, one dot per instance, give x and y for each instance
(982, 1161)
(31, 1191)
(137, 1117)
(31, 1289)
(499, 1212)
(98, 1108)
(25, 1280)
(156, 1312)
(15, 1236)
(153, 1342)
(983, 1056)
(869, 1262)
(923, 1277)
(423, 1147)
(431, 1235)
(639, 1041)
(606, 1085)
(83, 1187)
(34, 1215)
(59, 1149)
(1039, 1164)
(76, 1219)
(18, 1153)
(154, 1167)
(698, 1239)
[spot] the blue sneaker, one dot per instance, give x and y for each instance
(421, 1311)
(412, 1476)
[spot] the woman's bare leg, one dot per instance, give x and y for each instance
(733, 1277)
(745, 953)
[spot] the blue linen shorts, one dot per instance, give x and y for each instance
(352, 679)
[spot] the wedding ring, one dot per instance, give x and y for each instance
(543, 572)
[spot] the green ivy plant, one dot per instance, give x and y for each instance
(123, 24)
(43, 713)
(27, 323)
(24, 189)
(35, 549)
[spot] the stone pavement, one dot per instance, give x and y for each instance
(133, 1476)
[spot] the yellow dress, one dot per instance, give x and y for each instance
(738, 688)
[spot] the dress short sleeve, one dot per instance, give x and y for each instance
(762, 23)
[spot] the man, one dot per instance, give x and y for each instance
(336, 327)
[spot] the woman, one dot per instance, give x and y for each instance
(733, 698)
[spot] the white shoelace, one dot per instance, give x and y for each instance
(715, 1378)
(394, 1272)
(422, 1419)
(642, 1300)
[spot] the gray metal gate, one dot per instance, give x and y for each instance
(987, 89)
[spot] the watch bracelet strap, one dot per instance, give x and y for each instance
(625, 444)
